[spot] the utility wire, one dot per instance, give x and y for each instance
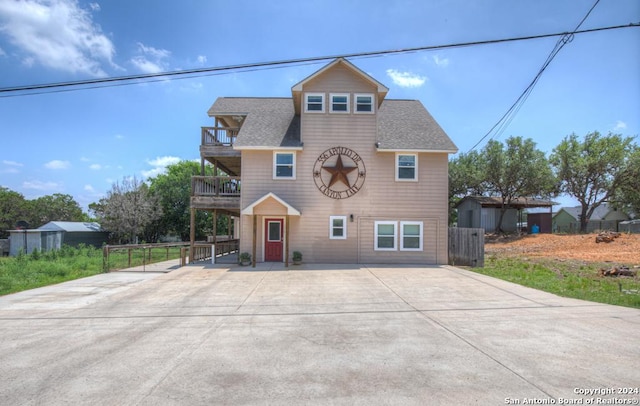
(501, 125)
(120, 80)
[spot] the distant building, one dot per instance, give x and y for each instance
(604, 217)
(484, 212)
(54, 235)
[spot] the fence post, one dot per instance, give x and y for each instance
(213, 254)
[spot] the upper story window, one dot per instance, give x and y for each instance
(314, 102)
(407, 167)
(338, 227)
(339, 103)
(363, 103)
(284, 165)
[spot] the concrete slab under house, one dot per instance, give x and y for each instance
(337, 172)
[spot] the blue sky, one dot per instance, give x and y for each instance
(79, 142)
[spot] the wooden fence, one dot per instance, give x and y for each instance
(466, 246)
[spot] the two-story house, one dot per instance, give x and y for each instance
(338, 172)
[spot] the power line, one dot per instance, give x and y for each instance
(120, 80)
(508, 117)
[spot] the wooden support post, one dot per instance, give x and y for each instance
(215, 226)
(192, 234)
(255, 237)
(286, 241)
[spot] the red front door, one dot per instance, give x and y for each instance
(273, 240)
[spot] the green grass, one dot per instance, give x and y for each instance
(38, 269)
(567, 278)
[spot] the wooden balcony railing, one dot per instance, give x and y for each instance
(215, 186)
(224, 136)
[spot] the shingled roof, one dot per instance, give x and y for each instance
(407, 125)
(271, 123)
(267, 122)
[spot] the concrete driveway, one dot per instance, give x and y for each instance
(333, 334)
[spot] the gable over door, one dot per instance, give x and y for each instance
(273, 240)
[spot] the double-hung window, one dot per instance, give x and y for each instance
(406, 167)
(411, 236)
(363, 103)
(339, 103)
(338, 227)
(385, 236)
(284, 165)
(314, 102)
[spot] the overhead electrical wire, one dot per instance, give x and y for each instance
(506, 119)
(28, 90)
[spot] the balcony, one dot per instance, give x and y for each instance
(216, 192)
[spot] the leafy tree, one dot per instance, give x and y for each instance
(173, 190)
(519, 170)
(56, 207)
(128, 208)
(466, 177)
(628, 196)
(13, 207)
(593, 170)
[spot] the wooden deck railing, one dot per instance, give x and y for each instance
(202, 251)
(215, 186)
(224, 136)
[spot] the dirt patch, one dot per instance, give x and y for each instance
(583, 247)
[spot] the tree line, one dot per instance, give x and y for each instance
(594, 169)
(15, 207)
(132, 210)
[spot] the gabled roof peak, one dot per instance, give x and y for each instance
(296, 90)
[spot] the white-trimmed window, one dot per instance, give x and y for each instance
(284, 165)
(406, 167)
(314, 102)
(339, 103)
(338, 227)
(385, 236)
(411, 236)
(363, 103)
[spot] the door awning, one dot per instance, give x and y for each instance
(252, 208)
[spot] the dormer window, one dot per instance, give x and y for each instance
(314, 103)
(364, 103)
(339, 103)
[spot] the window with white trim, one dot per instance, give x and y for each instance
(363, 103)
(406, 167)
(385, 236)
(314, 102)
(338, 227)
(339, 103)
(284, 165)
(411, 236)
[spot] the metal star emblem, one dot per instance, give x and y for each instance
(339, 172)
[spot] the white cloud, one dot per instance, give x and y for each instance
(89, 188)
(95, 167)
(202, 59)
(84, 159)
(150, 59)
(442, 62)
(12, 163)
(2, 53)
(44, 186)
(406, 79)
(119, 137)
(58, 34)
(57, 164)
(159, 165)
(620, 125)
(94, 6)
